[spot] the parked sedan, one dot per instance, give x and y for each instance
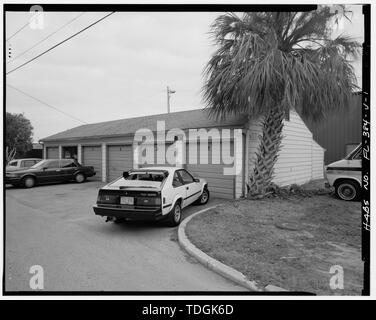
(18, 164)
(151, 194)
(47, 171)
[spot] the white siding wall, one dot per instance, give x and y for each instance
(317, 161)
(238, 154)
(300, 160)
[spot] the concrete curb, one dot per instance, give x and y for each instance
(210, 262)
(217, 266)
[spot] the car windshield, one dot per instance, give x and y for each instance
(39, 164)
(146, 176)
(354, 152)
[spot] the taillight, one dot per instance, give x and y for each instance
(107, 198)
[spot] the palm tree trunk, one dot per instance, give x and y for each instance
(267, 153)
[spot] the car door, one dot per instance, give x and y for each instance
(193, 189)
(67, 169)
(355, 164)
(50, 172)
(178, 189)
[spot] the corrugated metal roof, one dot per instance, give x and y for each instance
(182, 120)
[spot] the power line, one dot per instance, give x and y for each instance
(19, 30)
(45, 103)
(23, 27)
(61, 42)
(44, 39)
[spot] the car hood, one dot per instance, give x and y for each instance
(121, 183)
(343, 164)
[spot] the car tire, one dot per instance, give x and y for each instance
(174, 217)
(347, 190)
(28, 182)
(204, 198)
(80, 177)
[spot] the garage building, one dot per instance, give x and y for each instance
(109, 148)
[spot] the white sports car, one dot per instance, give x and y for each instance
(154, 193)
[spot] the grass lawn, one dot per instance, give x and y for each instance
(291, 243)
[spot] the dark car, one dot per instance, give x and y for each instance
(47, 171)
(21, 164)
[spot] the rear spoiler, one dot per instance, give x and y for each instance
(126, 174)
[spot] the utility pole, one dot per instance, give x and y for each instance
(169, 92)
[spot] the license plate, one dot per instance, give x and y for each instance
(127, 200)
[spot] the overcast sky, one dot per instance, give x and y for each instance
(117, 69)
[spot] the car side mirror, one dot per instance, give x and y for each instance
(196, 180)
(125, 174)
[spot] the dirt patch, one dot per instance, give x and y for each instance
(292, 243)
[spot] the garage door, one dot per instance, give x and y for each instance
(220, 185)
(52, 153)
(92, 156)
(157, 163)
(119, 159)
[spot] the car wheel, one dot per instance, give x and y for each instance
(204, 198)
(174, 217)
(29, 182)
(347, 190)
(80, 177)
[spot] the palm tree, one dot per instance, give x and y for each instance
(268, 63)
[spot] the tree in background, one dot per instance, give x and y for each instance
(10, 154)
(268, 63)
(18, 137)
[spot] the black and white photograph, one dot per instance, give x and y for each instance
(174, 149)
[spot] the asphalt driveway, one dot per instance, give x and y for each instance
(55, 227)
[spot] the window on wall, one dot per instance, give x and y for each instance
(69, 152)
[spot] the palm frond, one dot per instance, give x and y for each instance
(284, 60)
